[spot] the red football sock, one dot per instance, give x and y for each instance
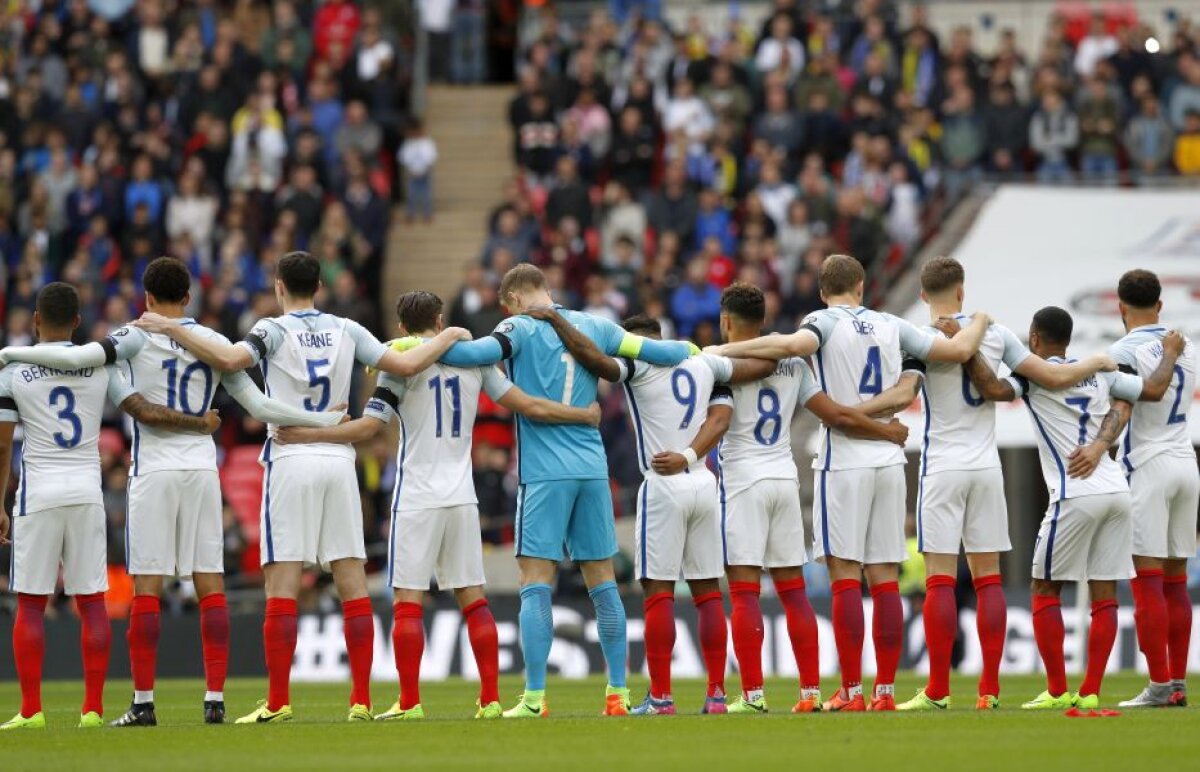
(848, 629)
(991, 622)
(29, 649)
(1049, 632)
(659, 610)
(1101, 635)
(408, 644)
(747, 622)
(941, 626)
(279, 643)
(214, 637)
(1179, 624)
(714, 639)
(485, 643)
(96, 637)
(1150, 619)
(887, 630)
(802, 630)
(144, 625)
(358, 626)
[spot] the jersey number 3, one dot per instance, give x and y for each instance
(67, 414)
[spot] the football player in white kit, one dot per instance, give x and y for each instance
(173, 523)
(1164, 484)
(859, 508)
(760, 503)
(435, 513)
(311, 508)
(678, 525)
(1085, 534)
(60, 519)
(960, 499)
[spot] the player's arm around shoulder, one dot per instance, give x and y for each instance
(1049, 375)
(214, 351)
(898, 397)
(262, 408)
(958, 345)
(853, 423)
(1156, 384)
(505, 393)
(988, 384)
(377, 413)
(582, 348)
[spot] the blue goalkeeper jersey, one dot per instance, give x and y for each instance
(538, 363)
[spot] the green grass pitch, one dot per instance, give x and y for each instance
(576, 737)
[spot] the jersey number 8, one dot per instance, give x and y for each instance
(768, 415)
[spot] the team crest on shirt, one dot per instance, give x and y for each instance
(506, 327)
(121, 332)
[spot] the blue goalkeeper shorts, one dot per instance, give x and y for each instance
(575, 515)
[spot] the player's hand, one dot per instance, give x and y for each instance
(593, 412)
(668, 462)
(341, 407)
(541, 313)
(212, 421)
(151, 322)
(986, 317)
(1084, 460)
(897, 432)
(458, 333)
(3, 357)
(293, 435)
(947, 325)
(4, 524)
(717, 351)
(1173, 343)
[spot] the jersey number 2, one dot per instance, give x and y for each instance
(1176, 417)
(435, 385)
(66, 413)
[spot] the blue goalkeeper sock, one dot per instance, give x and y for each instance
(610, 624)
(537, 633)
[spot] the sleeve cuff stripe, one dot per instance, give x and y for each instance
(110, 350)
(630, 368)
(386, 396)
(815, 331)
(256, 343)
(8, 403)
(505, 344)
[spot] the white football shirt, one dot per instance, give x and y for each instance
(307, 359)
(437, 411)
(668, 405)
(861, 354)
(166, 373)
(960, 425)
(758, 444)
(1065, 419)
(61, 412)
(1156, 428)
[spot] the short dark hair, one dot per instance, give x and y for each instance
(642, 324)
(167, 279)
(300, 273)
(418, 310)
(841, 274)
(745, 301)
(1139, 288)
(58, 305)
(1054, 324)
(940, 274)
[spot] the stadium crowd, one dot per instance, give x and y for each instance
(655, 165)
(223, 133)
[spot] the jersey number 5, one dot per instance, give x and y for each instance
(317, 381)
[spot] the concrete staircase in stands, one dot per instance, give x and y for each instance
(470, 127)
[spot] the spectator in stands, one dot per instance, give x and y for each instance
(623, 217)
(569, 196)
(1149, 138)
(1005, 127)
(781, 51)
(418, 155)
(673, 207)
(1187, 145)
(695, 301)
(1097, 46)
(537, 140)
(779, 126)
(1185, 95)
(1053, 132)
(633, 150)
(1098, 127)
(962, 141)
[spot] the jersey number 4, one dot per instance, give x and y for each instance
(872, 376)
